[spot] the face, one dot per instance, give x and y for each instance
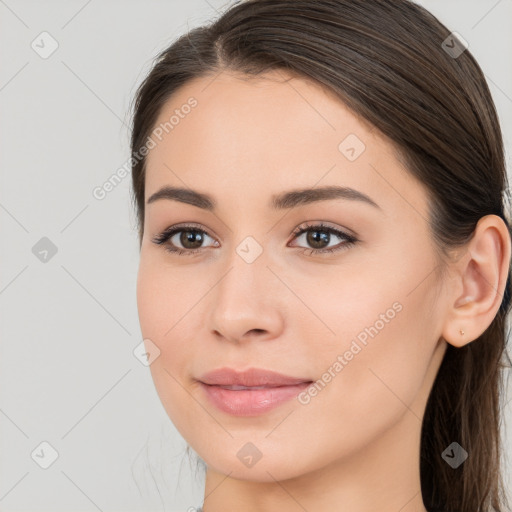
(347, 306)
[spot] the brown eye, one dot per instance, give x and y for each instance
(318, 237)
(191, 239)
(183, 239)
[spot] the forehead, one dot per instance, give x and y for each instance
(270, 114)
(260, 135)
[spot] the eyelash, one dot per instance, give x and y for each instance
(163, 237)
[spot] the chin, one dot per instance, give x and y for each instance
(254, 460)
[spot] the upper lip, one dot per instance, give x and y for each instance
(250, 377)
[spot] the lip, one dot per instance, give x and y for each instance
(249, 377)
(225, 389)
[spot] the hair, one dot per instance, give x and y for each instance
(385, 60)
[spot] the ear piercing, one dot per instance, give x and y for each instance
(461, 332)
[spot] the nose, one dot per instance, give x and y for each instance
(248, 302)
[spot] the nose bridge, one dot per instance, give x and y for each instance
(246, 268)
(248, 250)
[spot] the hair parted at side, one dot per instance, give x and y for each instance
(384, 59)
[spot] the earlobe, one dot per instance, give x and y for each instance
(478, 290)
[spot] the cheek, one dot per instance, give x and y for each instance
(170, 303)
(164, 306)
(166, 297)
(371, 369)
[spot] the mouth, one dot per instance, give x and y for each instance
(251, 392)
(238, 388)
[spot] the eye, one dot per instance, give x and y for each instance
(190, 237)
(319, 236)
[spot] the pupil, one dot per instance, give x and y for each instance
(314, 238)
(194, 237)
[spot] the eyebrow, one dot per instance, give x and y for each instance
(283, 201)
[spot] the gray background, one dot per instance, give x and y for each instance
(69, 325)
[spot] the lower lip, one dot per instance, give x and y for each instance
(247, 402)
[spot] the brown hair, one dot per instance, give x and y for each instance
(385, 59)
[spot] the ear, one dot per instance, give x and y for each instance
(480, 278)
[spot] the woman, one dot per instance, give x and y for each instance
(325, 257)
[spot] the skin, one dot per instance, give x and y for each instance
(354, 446)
